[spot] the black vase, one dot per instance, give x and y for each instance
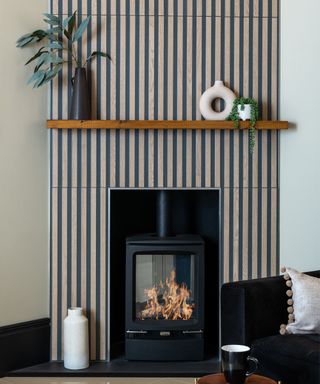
(80, 100)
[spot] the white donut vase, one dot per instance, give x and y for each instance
(219, 90)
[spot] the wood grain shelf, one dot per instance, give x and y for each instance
(162, 124)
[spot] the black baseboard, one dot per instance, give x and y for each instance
(24, 344)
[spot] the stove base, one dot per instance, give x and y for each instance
(165, 350)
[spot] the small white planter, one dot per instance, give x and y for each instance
(76, 340)
(244, 114)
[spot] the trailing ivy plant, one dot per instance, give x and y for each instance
(254, 115)
(61, 35)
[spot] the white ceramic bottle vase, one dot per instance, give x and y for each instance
(76, 340)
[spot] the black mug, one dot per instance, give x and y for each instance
(235, 363)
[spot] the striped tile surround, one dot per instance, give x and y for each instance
(165, 54)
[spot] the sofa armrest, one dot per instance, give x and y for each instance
(253, 309)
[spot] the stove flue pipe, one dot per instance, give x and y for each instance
(163, 213)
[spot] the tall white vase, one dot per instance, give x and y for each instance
(76, 340)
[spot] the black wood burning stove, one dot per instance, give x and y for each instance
(164, 293)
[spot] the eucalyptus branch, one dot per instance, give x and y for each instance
(62, 35)
(95, 54)
(74, 56)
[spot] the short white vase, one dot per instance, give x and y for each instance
(245, 113)
(76, 340)
(219, 90)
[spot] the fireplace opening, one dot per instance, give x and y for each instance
(168, 242)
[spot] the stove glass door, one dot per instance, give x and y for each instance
(164, 286)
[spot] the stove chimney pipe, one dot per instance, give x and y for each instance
(163, 213)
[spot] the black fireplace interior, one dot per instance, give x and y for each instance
(171, 246)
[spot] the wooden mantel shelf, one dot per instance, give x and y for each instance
(162, 124)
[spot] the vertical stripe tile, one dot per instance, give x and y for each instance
(74, 250)
(159, 163)
(235, 235)
(103, 271)
(54, 275)
(141, 159)
(164, 55)
(64, 269)
(245, 234)
(83, 245)
(274, 232)
(93, 277)
(179, 158)
(254, 234)
(208, 166)
(122, 163)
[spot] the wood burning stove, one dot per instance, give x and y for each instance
(164, 293)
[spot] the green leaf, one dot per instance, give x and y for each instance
(29, 38)
(54, 59)
(39, 53)
(102, 54)
(22, 43)
(54, 30)
(40, 79)
(39, 34)
(47, 78)
(51, 22)
(51, 73)
(68, 25)
(69, 20)
(24, 37)
(65, 22)
(72, 23)
(67, 34)
(98, 53)
(47, 58)
(81, 29)
(34, 77)
(53, 37)
(54, 45)
(52, 17)
(41, 61)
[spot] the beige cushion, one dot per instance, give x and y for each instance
(304, 308)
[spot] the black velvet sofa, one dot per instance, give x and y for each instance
(251, 314)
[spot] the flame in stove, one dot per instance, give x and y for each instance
(168, 301)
